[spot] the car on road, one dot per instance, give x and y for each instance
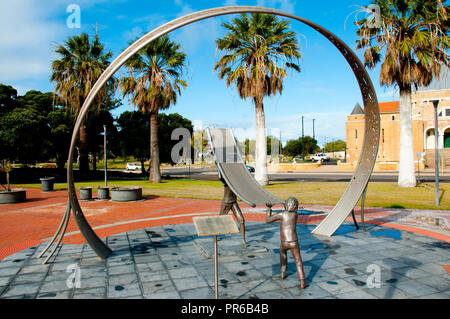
(133, 167)
(250, 169)
(320, 157)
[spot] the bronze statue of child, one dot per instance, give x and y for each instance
(229, 202)
(288, 236)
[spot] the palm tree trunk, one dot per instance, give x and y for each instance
(94, 161)
(143, 171)
(261, 143)
(84, 158)
(8, 187)
(406, 172)
(155, 172)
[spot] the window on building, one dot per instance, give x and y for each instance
(382, 135)
(393, 117)
(447, 112)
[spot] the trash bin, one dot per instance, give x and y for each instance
(47, 184)
(103, 192)
(86, 193)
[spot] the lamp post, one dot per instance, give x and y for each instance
(303, 141)
(314, 129)
(436, 151)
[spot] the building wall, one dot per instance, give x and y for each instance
(355, 135)
(422, 122)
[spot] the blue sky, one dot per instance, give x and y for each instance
(325, 90)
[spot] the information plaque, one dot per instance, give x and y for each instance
(213, 226)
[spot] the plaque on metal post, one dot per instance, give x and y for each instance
(213, 226)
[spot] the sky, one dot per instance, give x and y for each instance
(325, 90)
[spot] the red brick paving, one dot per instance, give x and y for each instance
(27, 224)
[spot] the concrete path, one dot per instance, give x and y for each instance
(157, 254)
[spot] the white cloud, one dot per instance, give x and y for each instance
(29, 31)
(283, 5)
(192, 36)
(133, 34)
(25, 33)
(230, 3)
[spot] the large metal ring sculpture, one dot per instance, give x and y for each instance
(368, 153)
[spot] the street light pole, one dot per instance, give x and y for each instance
(314, 130)
(436, 151)
(281, 146)
(303, 141)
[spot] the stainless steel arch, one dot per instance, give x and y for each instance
(372, 122)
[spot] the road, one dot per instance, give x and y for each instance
(326, 173)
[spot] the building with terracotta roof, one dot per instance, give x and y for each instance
(422, 127)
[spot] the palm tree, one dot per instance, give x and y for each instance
(412, 36)
(154, 84)
(80, 64)
(257, 52)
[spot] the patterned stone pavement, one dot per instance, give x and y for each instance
(172, 262)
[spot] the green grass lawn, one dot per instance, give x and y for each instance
(381, 194)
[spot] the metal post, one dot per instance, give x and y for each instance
(354, 219)
(436, 151)
(363, 200)
(314, 130)
(105, 151)
(419, 155)
(281, 146)
(216, 268)
(303, 140)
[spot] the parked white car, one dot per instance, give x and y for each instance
(320, 157)
(133, 166)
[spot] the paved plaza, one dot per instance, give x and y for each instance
(172, 262)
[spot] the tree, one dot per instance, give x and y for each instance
(80, 64)
(335, 146)
(42, 103)
(133, 135)
(167, 124)
(248, 147)
(33, 128)
(94, 127)
(411, 40)
(61, 124)
(24, 136)
(154, 84)
(8, 96)
(258, 50)
(294, 147)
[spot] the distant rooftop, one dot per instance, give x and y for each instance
(388, 107)
(385, 107)
(357, 110)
